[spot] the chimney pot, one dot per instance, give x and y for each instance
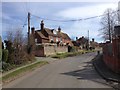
(59, 29)
(42, 25)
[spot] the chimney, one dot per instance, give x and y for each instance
(52, 30)
(93, 39)
(76, 38)
(117, 30)
(32, 30)
(42, 25)
(59, 29)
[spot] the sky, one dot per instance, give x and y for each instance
(14, 15)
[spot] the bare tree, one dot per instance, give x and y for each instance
(17, 39)
(108, 21)
(9, 36)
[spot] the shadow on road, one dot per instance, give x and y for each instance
(86, 73)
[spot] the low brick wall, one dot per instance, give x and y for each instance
(50, 50)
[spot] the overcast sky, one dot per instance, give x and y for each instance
(14, 15)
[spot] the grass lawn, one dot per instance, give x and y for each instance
(15, 74)
(70, 54)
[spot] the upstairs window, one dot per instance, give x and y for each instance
(35, 40)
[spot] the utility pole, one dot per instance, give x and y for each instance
(88, 39)
(28, 32)
(109, 25)
(119, 13)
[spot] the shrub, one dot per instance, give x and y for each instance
(4, 55)
(72, 49)
(6, 66)
(0, 54)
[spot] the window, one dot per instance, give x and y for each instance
(56, 39)
(35, 40)
(51, 38)
(54, 31)
(60, 39)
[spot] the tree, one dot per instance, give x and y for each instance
(108, 21)
(9, 47)
(16, 47)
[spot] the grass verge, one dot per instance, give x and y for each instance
(15, 74)
(69, 54)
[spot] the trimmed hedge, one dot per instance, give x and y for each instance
(4, 55)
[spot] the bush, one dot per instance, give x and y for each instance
(6, 66)
(72, 49)
(0, 54)
(4, 55)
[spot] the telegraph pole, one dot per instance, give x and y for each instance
(28, 32)
(109, 25)
(88, 39)
(119, 13)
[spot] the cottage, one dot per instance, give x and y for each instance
(49, 41)
(46, 35)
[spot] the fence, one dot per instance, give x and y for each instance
(111, 54)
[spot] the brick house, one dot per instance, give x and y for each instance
(82, 42)
(46, 35)
(49, 41)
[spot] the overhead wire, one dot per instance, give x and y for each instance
(71, 20)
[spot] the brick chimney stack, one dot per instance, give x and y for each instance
(93, 39)
(42, 25)
(59, 29)
(32, 30)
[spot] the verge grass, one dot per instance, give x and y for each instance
(15, 74)
(70, 54)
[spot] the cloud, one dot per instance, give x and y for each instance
(15, 13)
(80, 28)
(83, 12)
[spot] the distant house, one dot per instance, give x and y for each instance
(93, 44)
(82, 42)
(46, 35)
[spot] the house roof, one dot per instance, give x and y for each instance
(41, 35)
(50, 32)
(64, 35)
(82, 40)
(59, 34)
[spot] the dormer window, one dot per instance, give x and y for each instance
(54, 32)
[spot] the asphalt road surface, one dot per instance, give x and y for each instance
(71, 72)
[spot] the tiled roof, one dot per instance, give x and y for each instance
(49, 31)
(65, 36)
(41, 35)
(58, 34)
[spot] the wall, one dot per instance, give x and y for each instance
(50, 50)
(47, 50)
(111, 55)
(39, 51)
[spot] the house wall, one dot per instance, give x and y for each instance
(45, 41)
(54, 39)
(39, 39)
(39, 52)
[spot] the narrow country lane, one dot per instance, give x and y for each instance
(71, 72)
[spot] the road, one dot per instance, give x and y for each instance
(71, 72)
